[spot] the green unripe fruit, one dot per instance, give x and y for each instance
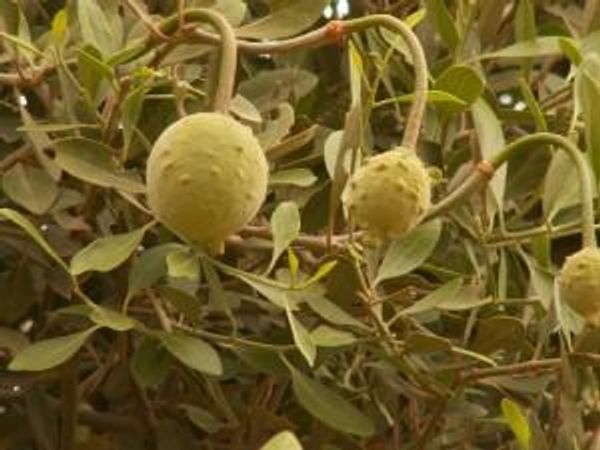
(390, 194)
(579, 283)
(206, 178)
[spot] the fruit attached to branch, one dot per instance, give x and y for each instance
(579, 283)
(390, 194)
(206, 178)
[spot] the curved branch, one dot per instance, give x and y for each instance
(478, 177)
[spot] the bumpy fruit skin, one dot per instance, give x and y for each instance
(389, 195)
(206, 178)
(579, 284)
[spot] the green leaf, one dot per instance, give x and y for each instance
(293, 177)
(325, 336)
(40, 141)
(114, 320)
(499, 333)
(419, 342)
(539, 47)
(445, 293)
(30, 187)
(217, 295)
(491, 140)
(49, 353)
(92, 70)
(462, 82)
(18, 294)
(587, 88)
(288, 18)
(60, 25)
(96, 28)
(193, 352)
(93, 162)
(184, 302)
(106, 253)
(525, 29)
(183, 263)
(517, 421)
(149, 267)
(439, 98)
(150, 364)
(322, 272)
(442, 21)
(333, 313)
(408, 253)
(302, 338)
(285, 440)
(558, 196)
(329, 407)
(285, 226)
(202, 419)
(131, 112)
(33, 232)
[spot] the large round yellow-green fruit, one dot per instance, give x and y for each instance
(206, 178)
(389, 195)
(579, 284)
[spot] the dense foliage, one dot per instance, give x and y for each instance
(305, 331)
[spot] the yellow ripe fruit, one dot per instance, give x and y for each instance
(206, 178)
(389, 195)
(579, 284)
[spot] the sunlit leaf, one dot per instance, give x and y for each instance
(43, 355)
(285, 226)
(285, 440)
(193, 352)
(108, 252)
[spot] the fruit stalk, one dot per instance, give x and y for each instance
(313, 38)
(478, 177)
(228, 61)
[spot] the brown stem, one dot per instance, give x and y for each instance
(69, 405)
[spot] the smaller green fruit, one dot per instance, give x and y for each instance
(390, 194)
(579, 283)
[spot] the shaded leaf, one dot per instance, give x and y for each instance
(149, 267)
(442, 21)
(30, 187)
(150, 364)
(588, 98)
(33, 232)
(202, 419)
(329, 407)
(92, 161)
(408, 253)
